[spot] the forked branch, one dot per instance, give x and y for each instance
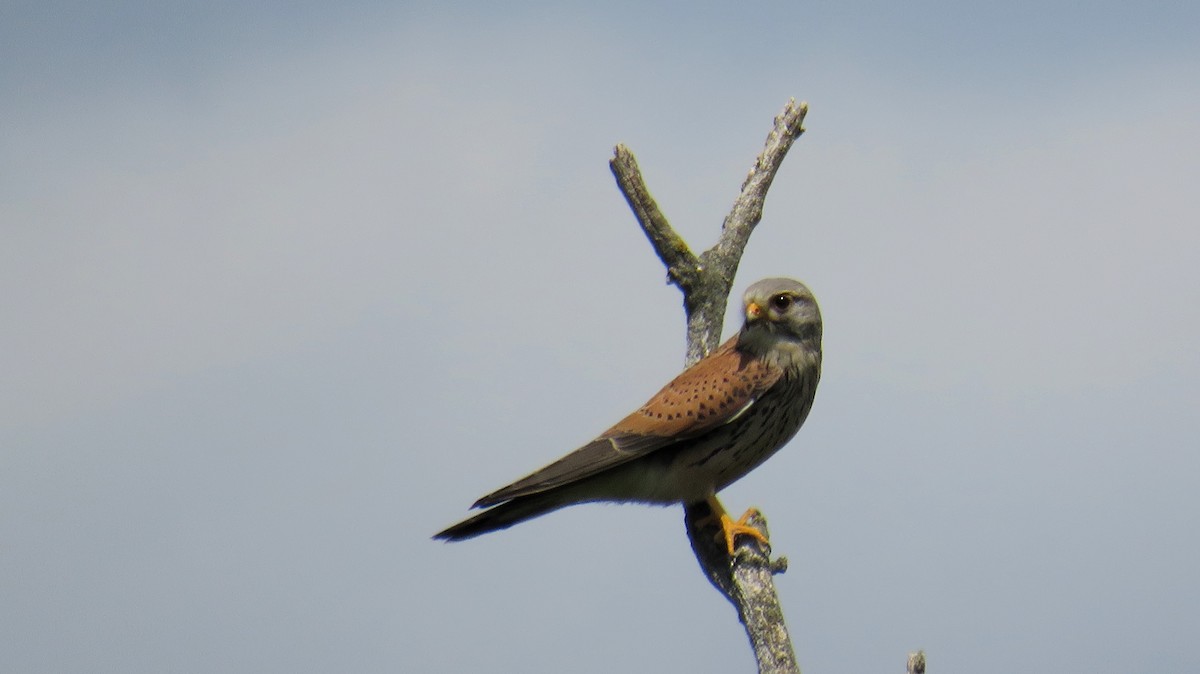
(706, 280)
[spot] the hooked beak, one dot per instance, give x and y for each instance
(753, 312)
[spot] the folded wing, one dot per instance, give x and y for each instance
(711, 393)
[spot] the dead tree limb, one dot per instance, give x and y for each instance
(706, 281)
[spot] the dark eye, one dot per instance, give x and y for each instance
(781, 302)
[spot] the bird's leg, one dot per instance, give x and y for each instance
(730, 528)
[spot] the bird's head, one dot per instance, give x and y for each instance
(781, 317)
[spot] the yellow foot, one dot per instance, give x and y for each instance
(730, 528)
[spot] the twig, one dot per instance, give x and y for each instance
(706, 281)
(682, 266)
(747, 210)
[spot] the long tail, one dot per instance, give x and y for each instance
(502, 516)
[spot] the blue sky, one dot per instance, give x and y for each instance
(288, 286)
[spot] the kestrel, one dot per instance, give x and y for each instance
(711, 425)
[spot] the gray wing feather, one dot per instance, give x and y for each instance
(595, 457)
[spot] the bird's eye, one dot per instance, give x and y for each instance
(781, 302)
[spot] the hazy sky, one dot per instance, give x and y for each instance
(286, 287)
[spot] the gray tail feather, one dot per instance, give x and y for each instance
(501, 516)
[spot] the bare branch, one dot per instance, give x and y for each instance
(706, 281)
(706, 308)
(746, 581)
(748, 207)
(916, 663)
(682, 265)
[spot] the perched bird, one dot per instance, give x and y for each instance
(711, 425)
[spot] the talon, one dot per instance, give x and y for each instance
(730, 528)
